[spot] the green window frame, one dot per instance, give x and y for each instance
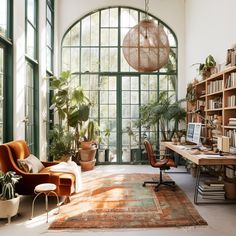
(49, 64)
(6, 71)
(92, 50)
(32, 78)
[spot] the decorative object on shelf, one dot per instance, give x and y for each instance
(231, 56)
(9, 200)
(207, 68)
(191, 95)
(146, 45)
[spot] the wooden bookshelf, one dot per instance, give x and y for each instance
(216, 97)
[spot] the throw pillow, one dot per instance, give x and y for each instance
(24, 165)
(35, 163)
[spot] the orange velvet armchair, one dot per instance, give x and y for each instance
(10, 152)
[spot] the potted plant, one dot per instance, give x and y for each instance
(72, 107)
(159, 112)
(88, 145)
(9, 200)
(61, 141)
(207, 68)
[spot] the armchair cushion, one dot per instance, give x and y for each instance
(35, 164)
(24, 166)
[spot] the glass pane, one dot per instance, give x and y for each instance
(75, 63)
(125, 97)
(135, 97)
(49, 35)
(103, 111)
(31, 11)
(113, 17)
(49, 14)
(30, 41)
(112, 83)
(95, 29)
(129, 17)
(66, 59)
(163, 80)
(112, 97)
(86, 33)
(104, 83)
(75, 35)
(49, 59)
(112, 111)
(3, 17)
(104, 97)
(126, 83)
(105, 18)
(1, 60)
(66, 40)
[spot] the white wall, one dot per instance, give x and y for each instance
(210, 29)
(169, 11)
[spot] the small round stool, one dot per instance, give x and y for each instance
(45, 189)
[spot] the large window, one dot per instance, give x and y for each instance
(31, 86)
(92, 49)
(50, 53)
(6, 70)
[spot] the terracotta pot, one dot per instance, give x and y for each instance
(87, 154)
(86, 145)
(87, 165)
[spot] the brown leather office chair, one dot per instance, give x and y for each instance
(163, 164)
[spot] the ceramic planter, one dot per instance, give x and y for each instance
(9, 208)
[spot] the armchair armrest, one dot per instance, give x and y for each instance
(49, 163)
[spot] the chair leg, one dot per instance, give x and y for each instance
(169, 183)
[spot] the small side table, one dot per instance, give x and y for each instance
(45, 189)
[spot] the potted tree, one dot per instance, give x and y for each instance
(72, 107)
(9, 200)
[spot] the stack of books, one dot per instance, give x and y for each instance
(212, 190)
(232, 122)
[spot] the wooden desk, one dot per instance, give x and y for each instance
(200, 161)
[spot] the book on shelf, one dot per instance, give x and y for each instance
(213, 197)
(204, 189)
(231, 80)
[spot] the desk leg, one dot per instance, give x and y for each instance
(197, 184)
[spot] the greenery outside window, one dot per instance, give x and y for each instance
(92, 50)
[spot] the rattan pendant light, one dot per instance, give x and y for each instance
(146, 45)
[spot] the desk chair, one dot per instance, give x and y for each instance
(163, 164)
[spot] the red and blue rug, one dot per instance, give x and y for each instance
(120, 201)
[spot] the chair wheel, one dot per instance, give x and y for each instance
(144, 185)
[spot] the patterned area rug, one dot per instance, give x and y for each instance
(120, 201)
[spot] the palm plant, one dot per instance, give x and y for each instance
(160, 112)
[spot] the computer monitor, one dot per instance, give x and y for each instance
(194, 133)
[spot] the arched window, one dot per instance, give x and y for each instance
(92, 49)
